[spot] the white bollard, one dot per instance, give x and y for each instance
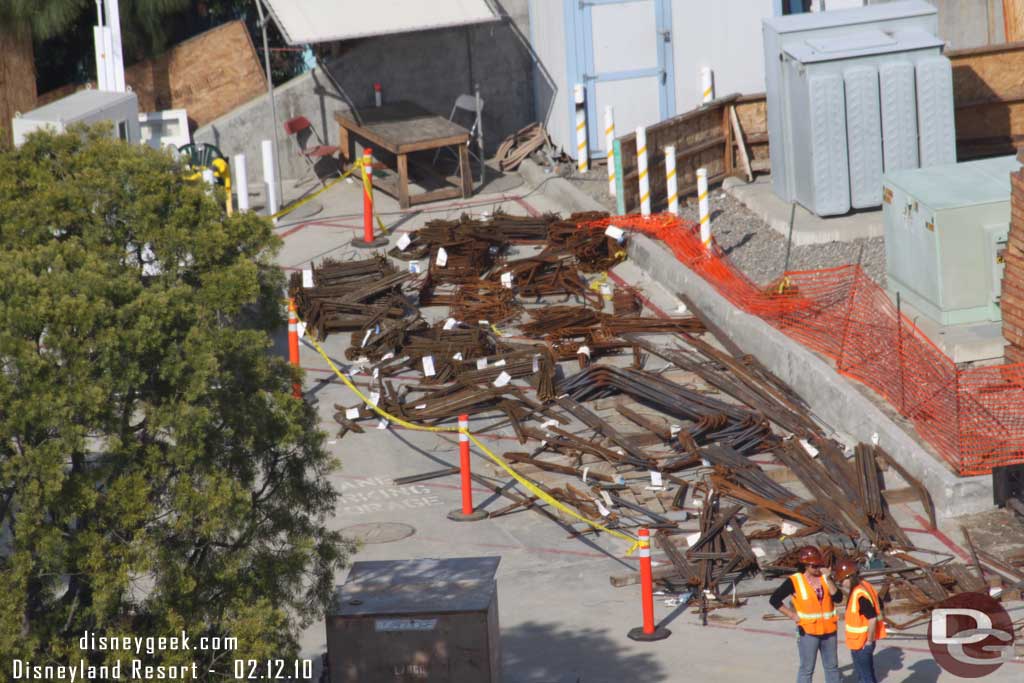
(702, 199)
(672, 189)
(641, 167)
(582, 157)
(707, 85)
(240, 178)
(609, 142)
(269, 178)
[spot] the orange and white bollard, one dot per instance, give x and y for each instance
(609, 142)
(648, 631)
(704, 208)
(293, 344)
(707, 85)
(671, 182)
(368, 241)
(641, 167)
(582, 153)
(467, 513)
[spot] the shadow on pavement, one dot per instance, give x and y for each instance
(548, 653)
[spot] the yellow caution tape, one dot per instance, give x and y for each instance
(367, 187)
(526, 483)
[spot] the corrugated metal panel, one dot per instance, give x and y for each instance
(320, 21)
(899, 115)
(864, 135)
(935, 111)
(829, 161)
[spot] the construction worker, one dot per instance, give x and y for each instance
(864, 624)
(813, 609)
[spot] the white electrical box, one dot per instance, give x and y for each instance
(165, 128)
(121, 109)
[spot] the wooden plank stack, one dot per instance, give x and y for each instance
(1012, 299)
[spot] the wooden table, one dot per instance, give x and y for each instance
(402, 128)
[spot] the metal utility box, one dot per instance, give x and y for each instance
(121, 109)
(944, 229)
(416, 620)
(838, 84)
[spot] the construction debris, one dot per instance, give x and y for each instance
(713, 453)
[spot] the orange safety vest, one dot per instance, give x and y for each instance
(816, 618)
(856, 623)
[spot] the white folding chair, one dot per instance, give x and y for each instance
(473, 105)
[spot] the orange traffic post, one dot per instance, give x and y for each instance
(467, 513)
(293, 344)
(368, 241)
(648, 631)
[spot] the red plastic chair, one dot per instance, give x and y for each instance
(311, 145)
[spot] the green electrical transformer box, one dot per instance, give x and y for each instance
(944, 229)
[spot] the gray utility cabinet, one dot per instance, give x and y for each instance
(121, 109)
(416, 620)
(944, 229)
(852, 94)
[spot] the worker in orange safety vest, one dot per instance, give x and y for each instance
(814, 596)
(864, 623)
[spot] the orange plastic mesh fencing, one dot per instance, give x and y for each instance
(973, 418)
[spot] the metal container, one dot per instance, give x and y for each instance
(121, 109)
(416, 620)
(944, 228)
(838, 85)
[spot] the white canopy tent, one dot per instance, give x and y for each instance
(304, 22)
(320, 21)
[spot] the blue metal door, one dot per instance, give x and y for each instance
(623, 56)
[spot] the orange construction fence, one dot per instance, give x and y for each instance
(974, 418)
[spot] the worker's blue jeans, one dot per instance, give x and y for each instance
(809, 647)
(864, 663)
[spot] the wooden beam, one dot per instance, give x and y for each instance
(740, 145)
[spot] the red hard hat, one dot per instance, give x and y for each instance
(845, 569)
(811, 555)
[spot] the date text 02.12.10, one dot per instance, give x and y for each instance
(273, 669)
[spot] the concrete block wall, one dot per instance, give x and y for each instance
(430, 68)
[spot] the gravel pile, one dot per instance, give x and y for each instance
(754, 247)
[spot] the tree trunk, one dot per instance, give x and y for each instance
(17, 78)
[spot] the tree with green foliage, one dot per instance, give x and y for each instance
(156, 475)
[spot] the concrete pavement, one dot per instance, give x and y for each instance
(561, 620)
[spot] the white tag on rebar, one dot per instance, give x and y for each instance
(366, 338)
(602, 509)
(302, 329)
(705, 462)
(421, 406)
(681, 309)
(506, 280)
(376, 373)
(442, 257)
(481, 363)
(691, 539)
(483, 323)
(607, 498)
(352, 414)
(536, 363)
(414, 267)
(450, 323)
(809, 448)
(374, 397)
(500, 364)
(383, 424)
(457, 356)
(874, 439)
(403, 242)
(788, 528)
(388, 356)
(585, 471)
(307, 277)
(615, 233)
(502, 379)
(606, 289)
(583, 351)
(656, 478)
(428, 366)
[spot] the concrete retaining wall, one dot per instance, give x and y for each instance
(837, 401)
(430, 68)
